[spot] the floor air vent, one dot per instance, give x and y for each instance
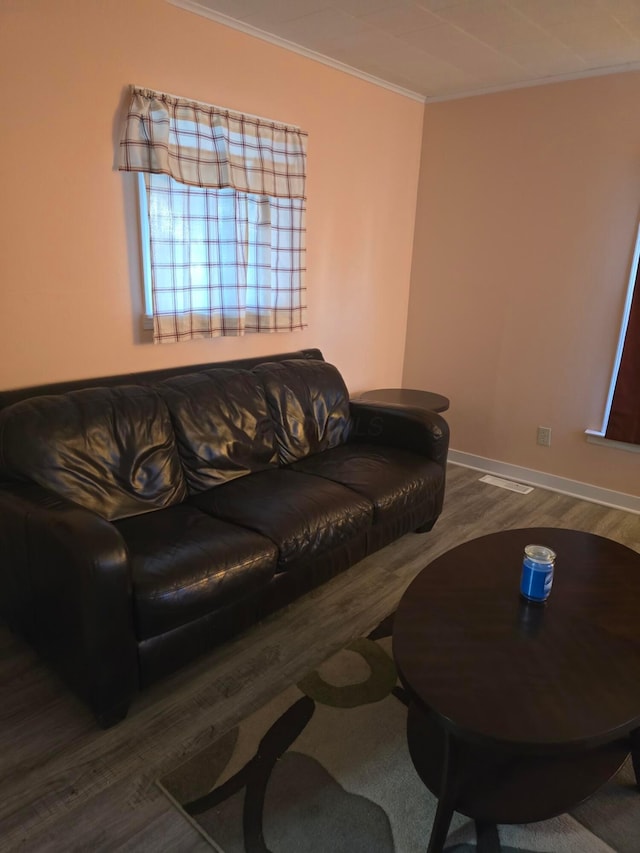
(506, 484)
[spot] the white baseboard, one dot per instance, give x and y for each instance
(563, 485)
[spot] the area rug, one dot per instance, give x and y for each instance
(324, 768)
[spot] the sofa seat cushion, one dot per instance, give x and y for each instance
(304, 516)
(395, 481)
(185, 564)
(222, 425)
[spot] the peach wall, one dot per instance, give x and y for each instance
(527, 212)
(70, 296)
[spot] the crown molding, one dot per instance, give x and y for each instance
(198, 9)
(539, 81)
(218, 17)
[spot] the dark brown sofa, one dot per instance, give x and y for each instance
(145, 519)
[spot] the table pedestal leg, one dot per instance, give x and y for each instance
(635, 754)
(446, 800)
(487, 837)
(501, 786)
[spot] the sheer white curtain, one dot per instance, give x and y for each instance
(226, 210)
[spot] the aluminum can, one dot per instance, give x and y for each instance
(537, 573)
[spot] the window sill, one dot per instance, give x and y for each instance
(147, 322)
(595, 437)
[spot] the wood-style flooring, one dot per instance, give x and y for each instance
(66, 785)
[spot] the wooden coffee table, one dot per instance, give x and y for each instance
(520, 711)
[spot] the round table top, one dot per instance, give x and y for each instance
(495, 669)
(428, 400)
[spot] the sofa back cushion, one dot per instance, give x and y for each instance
(222, 425)
(309, 404)
(111, 450)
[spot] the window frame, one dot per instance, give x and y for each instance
(599, 436)
(145, 252)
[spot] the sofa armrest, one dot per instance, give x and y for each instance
(408, 427)
(66, 572)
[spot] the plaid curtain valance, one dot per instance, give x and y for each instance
(206, 146)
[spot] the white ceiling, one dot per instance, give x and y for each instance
(436, 49)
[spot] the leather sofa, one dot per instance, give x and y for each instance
(145, 519)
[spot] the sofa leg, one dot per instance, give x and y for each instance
(111, 716)
(425, 528)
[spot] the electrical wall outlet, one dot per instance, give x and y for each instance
(544, 436)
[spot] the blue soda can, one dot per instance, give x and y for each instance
(537, 572)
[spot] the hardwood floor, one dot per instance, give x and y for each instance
(66, 785)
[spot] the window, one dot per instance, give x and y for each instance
(222, 217)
